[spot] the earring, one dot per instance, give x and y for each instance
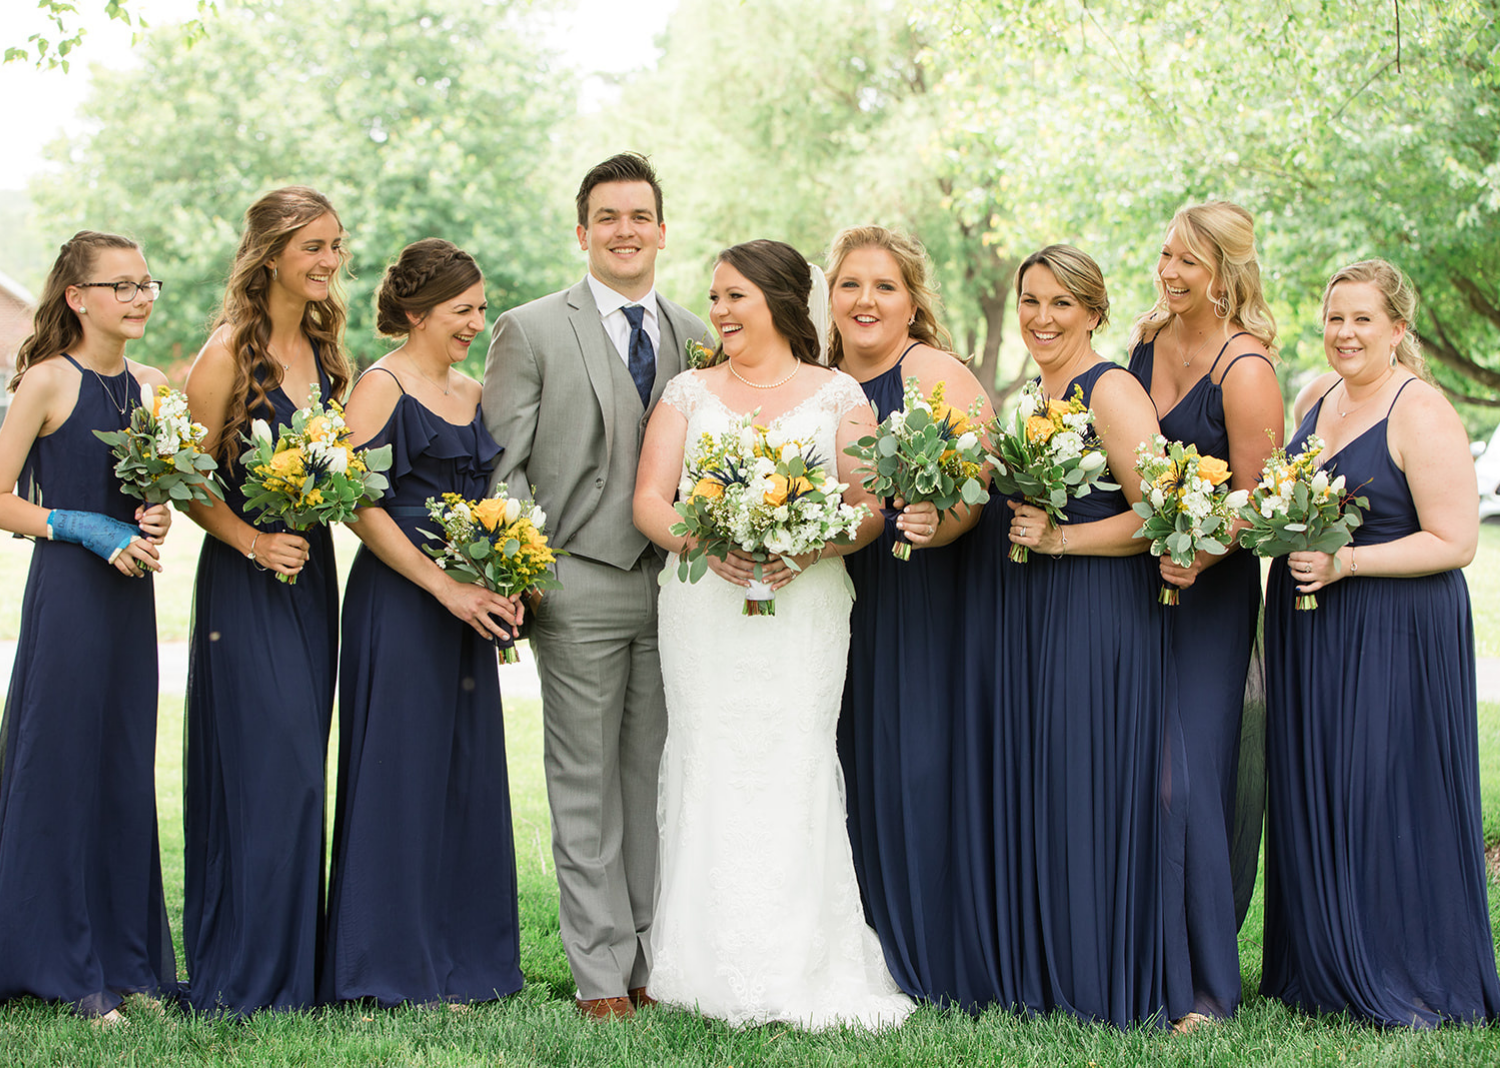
(911, 321)
(1221, 306)
(83, 311)
(273, 274)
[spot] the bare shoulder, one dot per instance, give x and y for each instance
(47, 376)
(378, 386)
(215, 358)
(147, 375)
(1119, 389)
(1422, 408)
(933, 365)
(466, 387)
(1309, 394)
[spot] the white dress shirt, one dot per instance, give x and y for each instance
(612, 315)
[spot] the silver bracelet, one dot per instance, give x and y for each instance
(251, 554)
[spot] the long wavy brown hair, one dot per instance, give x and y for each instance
(269, 225)
(56, 327)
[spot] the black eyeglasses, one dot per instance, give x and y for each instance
(125, 291)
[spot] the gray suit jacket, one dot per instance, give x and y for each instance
(559, 400)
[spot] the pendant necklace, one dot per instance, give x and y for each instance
(757, 385)
(1343, 414)
(1182, 345)
(116, 405)
(423, 373)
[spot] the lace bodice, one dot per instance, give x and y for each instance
(815, 419)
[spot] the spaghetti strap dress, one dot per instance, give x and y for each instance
(1213, 636)
(1375, 877)
(1096, 710)
(261, 662)
(82, 917)
(896, 743)
(422, 899)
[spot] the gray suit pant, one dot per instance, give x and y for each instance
(605, 720)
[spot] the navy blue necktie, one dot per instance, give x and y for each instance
(642, 356)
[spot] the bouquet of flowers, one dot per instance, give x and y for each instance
(698, 354)
(161, 457)
(1297, 507)
(1048, 452)
(496, 542)
(927, 451)
(309, 475)
(764, 493)
(1186, 504)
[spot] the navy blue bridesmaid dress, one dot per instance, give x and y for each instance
(1098, 728)
(1375, 883)
(1213, 635)
(896, 744)
(261, 664)
(82, 919)
(422, 903)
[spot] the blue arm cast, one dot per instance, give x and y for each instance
(106, 538)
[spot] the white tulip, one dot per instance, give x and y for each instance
(1091, 461)
(1237, 499)
(1320, 482)
(538, 519)
(260, 430)
(512, 511)
(967, 441)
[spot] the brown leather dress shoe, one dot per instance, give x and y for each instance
(639, 998)
(605, 1008)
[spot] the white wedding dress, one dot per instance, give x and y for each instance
(759, 916)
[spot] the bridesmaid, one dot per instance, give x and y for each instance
(422, 904)
(82, 918)
(1204, 354)
(1091, 714)
(1375, 881)
(901, 692)
(262, 656)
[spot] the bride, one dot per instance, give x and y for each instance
(759, 915)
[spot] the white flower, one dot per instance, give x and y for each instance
(896, 421)
(1066, 445)
(1091, 461)
(1268, 507)
(781, 514)
(967, 441)
(1320, 482)
(1029, 404)
(1157, 498)
(775, 437)
(538, 519)
(778, 540)
(1237, 500)
(338, 460)
(260, 431)
(789, 450)
(512, 511)
(1337, 485)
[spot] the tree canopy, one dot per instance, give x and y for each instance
(417, 118)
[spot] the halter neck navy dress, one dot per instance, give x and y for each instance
(1375, 878)
(422, 903)
(82, 919)
(1214, 631)
(896, 744)
(1092, 720)
(261, 664)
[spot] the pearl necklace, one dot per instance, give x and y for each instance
(757, 385)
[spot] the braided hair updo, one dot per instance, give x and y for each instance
(427, 273)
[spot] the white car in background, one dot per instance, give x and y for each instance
(1487, 471)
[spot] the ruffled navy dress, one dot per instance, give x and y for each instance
(1093, 727)
(422, 904)
(896, 745)
(82, 919)
(1213, 635)
(261, 663)
(1375, 883)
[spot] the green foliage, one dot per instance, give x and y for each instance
(180, 477)
(417, 118)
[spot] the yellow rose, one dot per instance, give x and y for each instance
(1056, 409)
(782, 488)
(708, 489)
(315, 427)
(489, 512)
(1213, 469)
(288, 464)
(1039, 429)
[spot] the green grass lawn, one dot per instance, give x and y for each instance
(539, 1027)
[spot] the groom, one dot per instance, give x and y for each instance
(568, 386)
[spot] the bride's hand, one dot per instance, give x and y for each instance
(737, 570)
(776, 574)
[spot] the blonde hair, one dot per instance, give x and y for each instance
(269, 225)
(1400, 304)
(56, 327)
(916, 274)
(1222, 236)
(1076, 271)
